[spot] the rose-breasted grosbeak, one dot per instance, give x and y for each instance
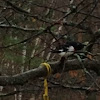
(68, 49)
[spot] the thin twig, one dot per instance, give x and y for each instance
(86, 71)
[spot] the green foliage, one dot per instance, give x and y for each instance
(54, 28)
(11, 40)
(8, 55)
(36, 62)
(13, 54)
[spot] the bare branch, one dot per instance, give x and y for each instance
(20, 28)
(19, 10)
(41, 71)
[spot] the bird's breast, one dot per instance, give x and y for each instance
(65, 54)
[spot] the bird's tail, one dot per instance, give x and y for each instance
(54, 51)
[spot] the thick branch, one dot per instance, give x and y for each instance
(41, 71)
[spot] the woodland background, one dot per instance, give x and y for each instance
(29, 29)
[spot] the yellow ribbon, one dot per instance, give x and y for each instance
(45, 95)
(48, 67)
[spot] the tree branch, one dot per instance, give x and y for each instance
(41, 71)
(19, 28)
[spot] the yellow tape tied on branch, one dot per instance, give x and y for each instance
(45, 95)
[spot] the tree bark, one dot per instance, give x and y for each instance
(41, 71)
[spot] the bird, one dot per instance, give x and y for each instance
(65, 50)
(69, 48)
